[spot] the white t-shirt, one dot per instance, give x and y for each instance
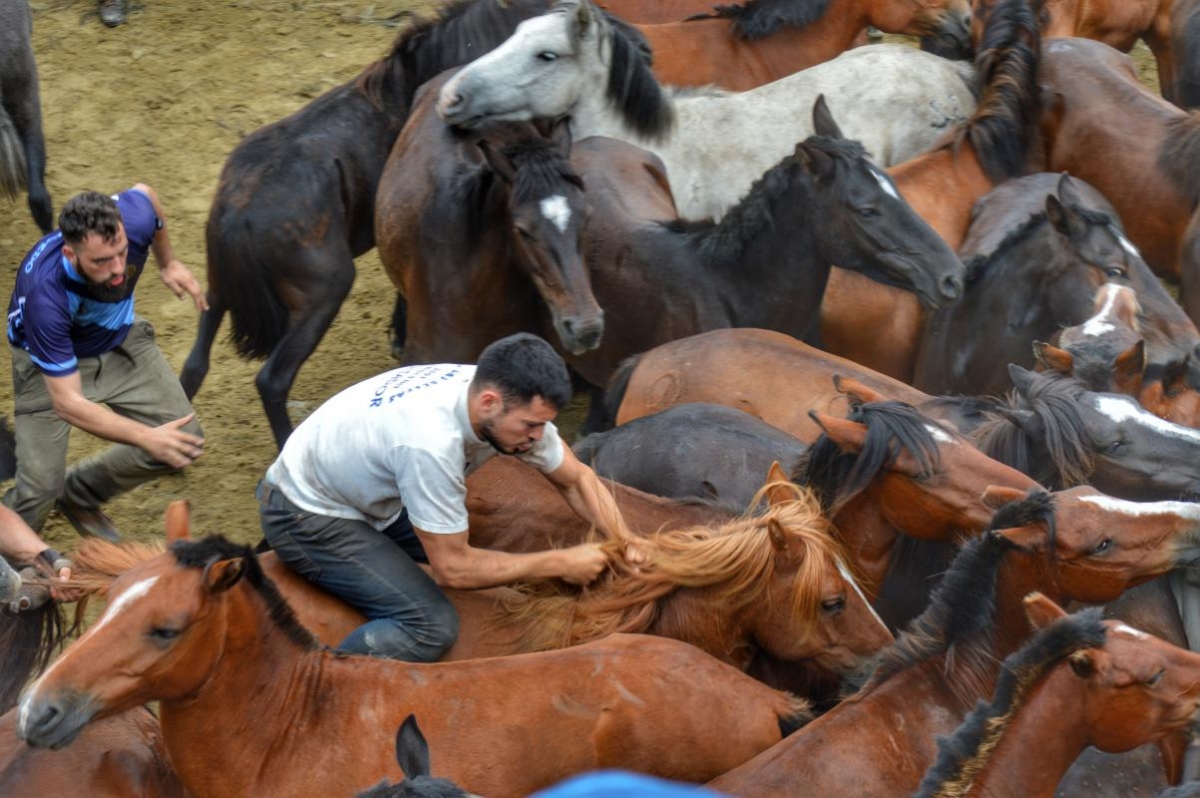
(400, 439)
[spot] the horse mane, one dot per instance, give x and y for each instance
(539, 165)
(632, 89)
(732, 563)
(1007, 63)
(893, 428)
(1046, 417)
(213, 548)
(757, 19)
(28, 641)
(963, 754)
(960, 618)
(725, 241)
(1179, 155)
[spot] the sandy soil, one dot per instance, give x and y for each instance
(163, 100)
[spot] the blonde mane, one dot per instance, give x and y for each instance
(97, 562)
(733, 563)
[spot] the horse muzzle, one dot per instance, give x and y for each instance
(53, 722)
(580, 335)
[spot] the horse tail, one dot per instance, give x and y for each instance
(12, 158)
(27, 641)
(614, 392)
(239, 276)
(796, 716)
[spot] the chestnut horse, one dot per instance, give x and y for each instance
(949, 658)
(203, 631)
(1078, 682)
(116, 757)
(1143, 160)
(472, 226)
(1037, 250)
(879, 327)
(742, 47)
(661, 279)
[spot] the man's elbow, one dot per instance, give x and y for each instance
(453, 572)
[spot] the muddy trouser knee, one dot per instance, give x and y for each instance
(410, 617)
(136, 381)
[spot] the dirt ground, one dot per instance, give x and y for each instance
(163, 100)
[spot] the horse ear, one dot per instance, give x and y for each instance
(778, 493)
(1030, 537)
(778, 536)
(1041, 611)
(1021, 378)
(221, 575)
(1068, 191)
(850, 436)
(996, 496)
(818, 164)
(178, 521)
(1062, 218)
(498, 161)
(412, 752)
(823, 124)
(584, 21)
(1083, 663)
(1129, 365)
(857, 390)
(1052, 358)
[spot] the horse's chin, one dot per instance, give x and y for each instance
(43, 725)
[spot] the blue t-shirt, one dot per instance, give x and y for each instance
(53, 314)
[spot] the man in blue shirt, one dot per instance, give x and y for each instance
(81, 358)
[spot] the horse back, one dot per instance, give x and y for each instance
(623, 180)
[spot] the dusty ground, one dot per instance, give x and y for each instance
(164, 100)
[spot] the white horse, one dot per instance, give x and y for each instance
(896, 100)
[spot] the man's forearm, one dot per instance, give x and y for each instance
(593, 502)
(479, 568)
(78, 411)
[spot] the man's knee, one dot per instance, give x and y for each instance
(441, 632)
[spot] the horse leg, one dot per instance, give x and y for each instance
(1189, 268)
(399, 326)
(1158, 39)
(597, 417)
(26, 114)
(307, 324)
(195, 368)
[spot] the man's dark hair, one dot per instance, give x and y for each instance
(522, 367)
(89, 212)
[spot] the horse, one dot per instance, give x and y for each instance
(894, 99)
(295, 202)
(1037, 250)
(1078, 682)
(473, 226)
(948, 659)
(878, 327)
(115, 757)
(210, 638)
(775, 582)
(659, 280)
(412, 755)
(22, 143)
(742, 47)
(1185, 30)
(1143, 161)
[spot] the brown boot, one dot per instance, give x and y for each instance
(90, 522)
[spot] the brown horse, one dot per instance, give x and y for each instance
(205, 633)
(949, 658)
(470, 225)
(879, 327)
(741, 47)
(1078, 682)
(1143, 160)
(776, 582)
(116, 757)
(1185, 47)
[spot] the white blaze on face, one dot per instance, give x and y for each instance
(1099, 324)
(849, 579)
(940, 435)
(886, 184)
(557, 211)
(1120, 409)
(1136, 634)
(123, 602)
(1127, 245)
(1189, 510)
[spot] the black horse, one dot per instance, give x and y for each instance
(22, 145)
(296, 202)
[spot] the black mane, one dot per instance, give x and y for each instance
(961, 754)
(213, 548)
(961, 614)
(725, 241)
(756, 19)
(632, 88)
(893, 428)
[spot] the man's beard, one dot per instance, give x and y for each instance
(485, 429)
(104, 292)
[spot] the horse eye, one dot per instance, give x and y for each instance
(866, 212)
(1115, 271)
(1103, 546)
(834, 604)
(546, 55)
(162, 635)
(1115, 446)
(1156, 678)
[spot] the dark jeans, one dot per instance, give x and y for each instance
(374, 571)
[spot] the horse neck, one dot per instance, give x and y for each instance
(943, 186)
(1021, 573)
(868, 538)
(691, 615)
(1039, 743)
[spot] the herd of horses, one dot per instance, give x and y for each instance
(883, 370)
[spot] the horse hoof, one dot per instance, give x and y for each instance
(112, 12)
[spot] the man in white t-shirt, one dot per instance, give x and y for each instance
(375, 481)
